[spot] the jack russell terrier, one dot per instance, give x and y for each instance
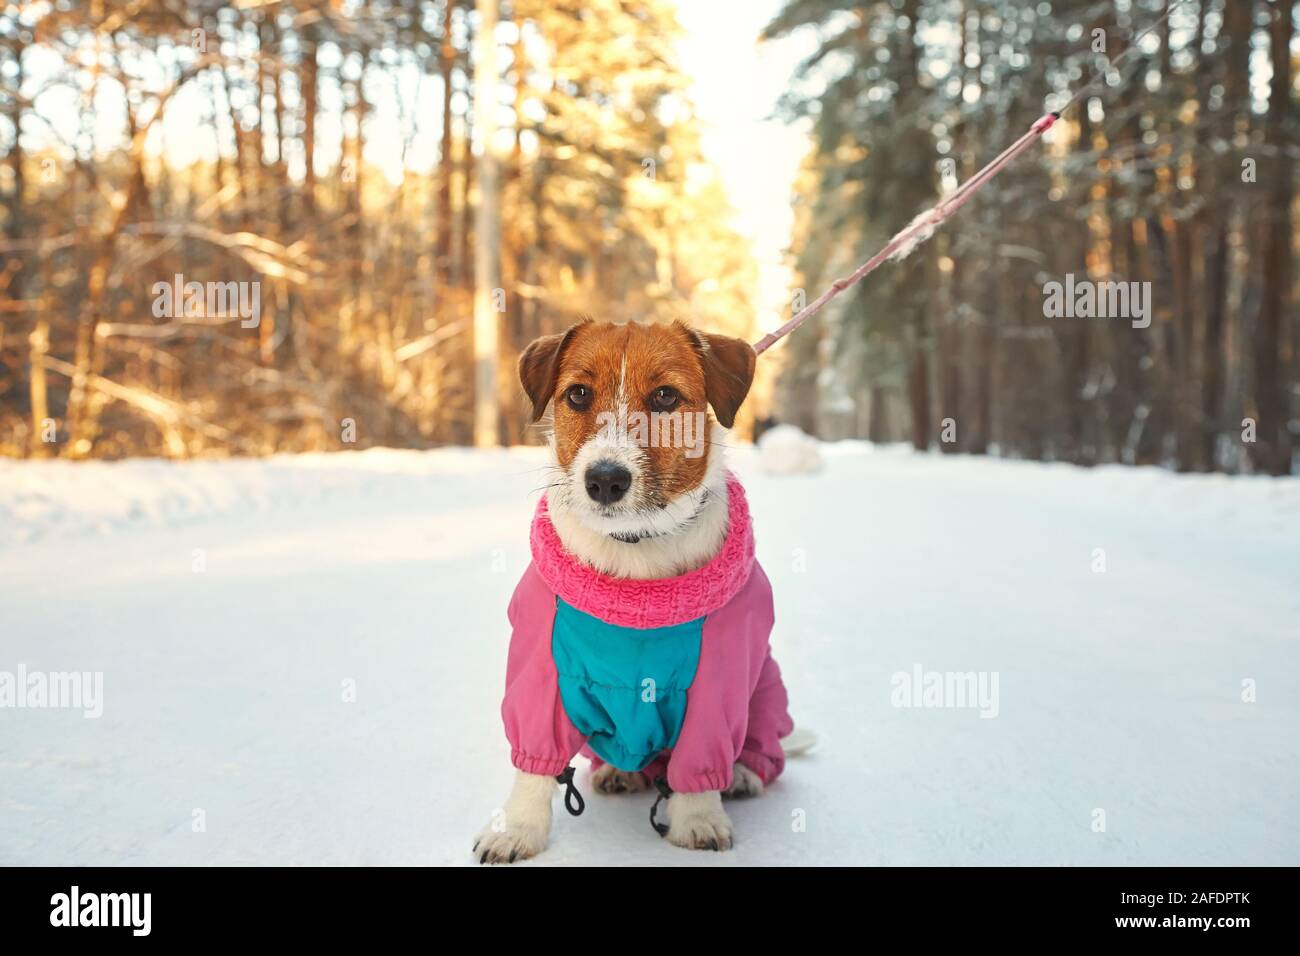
(640, 629)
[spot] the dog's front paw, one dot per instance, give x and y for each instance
(520, 830)
(499, 843)
(609, 779)
(744, 783)
(698, 822)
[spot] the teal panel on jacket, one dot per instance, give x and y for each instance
(624, 688)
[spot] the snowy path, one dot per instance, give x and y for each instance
(223, 689)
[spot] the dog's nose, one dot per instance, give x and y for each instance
(607, 481)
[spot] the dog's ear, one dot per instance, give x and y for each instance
(540, 364)
(728, 372)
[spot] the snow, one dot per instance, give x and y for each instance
(788, 450)
(227, 603)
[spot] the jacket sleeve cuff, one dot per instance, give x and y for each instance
(698, 782)
(542, 766)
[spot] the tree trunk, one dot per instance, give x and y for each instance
(487, 232)
(1224, 187)
(309, 72)
(1272, 452)
(442, 216)
(918, 385)
(514, 423)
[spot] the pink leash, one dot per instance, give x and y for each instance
(916, 232)
(923, 226)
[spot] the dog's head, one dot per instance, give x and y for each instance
(632, 429)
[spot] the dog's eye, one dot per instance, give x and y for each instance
(664, 399)
(578, 396)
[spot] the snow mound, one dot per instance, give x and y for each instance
(788, 450)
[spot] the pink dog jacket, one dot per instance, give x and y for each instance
(672, 676)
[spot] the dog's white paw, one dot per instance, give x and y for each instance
(609, 779)
(698, 822)
(744, 783)
(509, 844)
(520, 830)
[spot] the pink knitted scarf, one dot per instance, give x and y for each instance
(660, 602)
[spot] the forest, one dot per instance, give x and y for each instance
(1177, 175)
(252, 227)
(323, 161)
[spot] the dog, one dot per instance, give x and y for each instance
(640, 629)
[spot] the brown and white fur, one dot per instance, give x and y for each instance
(667, 514)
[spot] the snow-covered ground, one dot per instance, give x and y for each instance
(233, 609)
